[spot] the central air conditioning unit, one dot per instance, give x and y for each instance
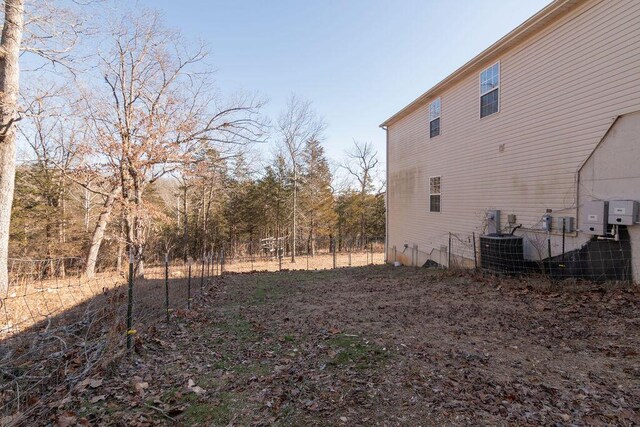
(502, 253)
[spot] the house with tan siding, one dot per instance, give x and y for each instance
(538, 132)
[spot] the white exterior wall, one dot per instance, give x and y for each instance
(612, 172)
(561, 90)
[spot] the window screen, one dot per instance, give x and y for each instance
(434, 194)
(490, 90)
(434, 118)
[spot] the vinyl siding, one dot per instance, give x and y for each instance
(560, 91)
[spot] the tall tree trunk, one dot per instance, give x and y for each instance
(130, 224)
(363, 207)
(120, 249)
(98, 232)
(204, 219)
(87, 208)
(9, 88)
(362, 238)
(207, 210)
(135, 240)
(185, 230)
(295, 219)
(312, 239)
(277, 244)
(62, 234)
(135, 225)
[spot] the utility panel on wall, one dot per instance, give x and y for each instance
(623, 212)
(594, 217)
(565, 223)
(493, 222)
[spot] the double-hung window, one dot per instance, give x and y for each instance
(490, 90)
(434, 194)
(434, 118)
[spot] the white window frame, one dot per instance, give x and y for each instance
(486, 92)
(439, 116)
(435, 194)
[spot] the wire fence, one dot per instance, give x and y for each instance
(57, 327)
(600, 258)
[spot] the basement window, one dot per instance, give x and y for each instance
(434, 194)
(490, 90)
(434, 118)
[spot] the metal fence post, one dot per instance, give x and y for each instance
(209, 264)
(349, 258)
(166, 284)
(202, 275)
(475, 256)
(335, 260)
(366, 252)
(563, 239)
(189, 287)
(371, 249)
(130, 331)
(221, 262)
(549, 251)
(449, 254)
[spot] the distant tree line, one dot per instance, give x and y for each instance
(141, 154)
(215, 203)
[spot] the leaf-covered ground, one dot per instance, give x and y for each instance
(380, 346)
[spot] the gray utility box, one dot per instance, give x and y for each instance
(623, 212)
(493, 221)
(567, 223)
(594, 217)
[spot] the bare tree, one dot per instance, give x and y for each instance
(50, 32)
(158, 108)
(87, 201)
(9, 89)
(297, 125)
(51, 132)
(58, 137)
(109, 200)
(361, 163)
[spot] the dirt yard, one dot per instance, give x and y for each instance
(31, 301)
(379, 346)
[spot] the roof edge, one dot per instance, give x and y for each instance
(529, 27)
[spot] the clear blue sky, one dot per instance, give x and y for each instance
(359, 61)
